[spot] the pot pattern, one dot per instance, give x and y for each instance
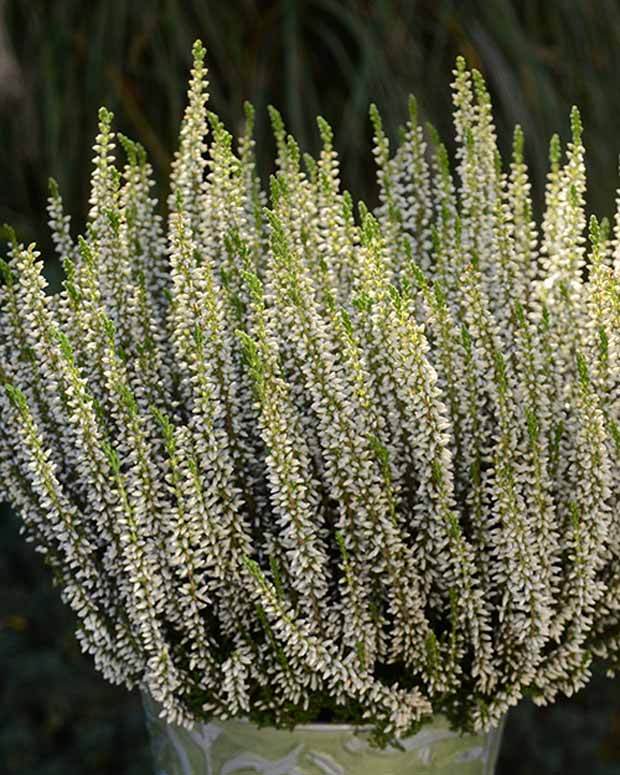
(238, 747)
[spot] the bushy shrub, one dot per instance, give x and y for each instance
(293, 460)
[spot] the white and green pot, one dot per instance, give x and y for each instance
(238, 747)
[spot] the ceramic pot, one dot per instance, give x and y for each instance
(239, 747)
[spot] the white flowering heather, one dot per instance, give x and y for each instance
(293, 460)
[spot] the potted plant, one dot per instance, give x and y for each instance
(334, 489)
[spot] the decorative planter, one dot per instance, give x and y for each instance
(238, 747)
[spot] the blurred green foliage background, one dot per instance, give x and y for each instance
(60, 60)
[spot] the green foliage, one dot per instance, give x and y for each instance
(349, 294)
(133, 57)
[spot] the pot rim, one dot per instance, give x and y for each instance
(319, 726)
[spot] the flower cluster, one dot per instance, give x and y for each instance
(291, 459)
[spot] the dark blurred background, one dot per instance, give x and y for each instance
(60, 60)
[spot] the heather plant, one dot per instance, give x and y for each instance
(291, 459)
